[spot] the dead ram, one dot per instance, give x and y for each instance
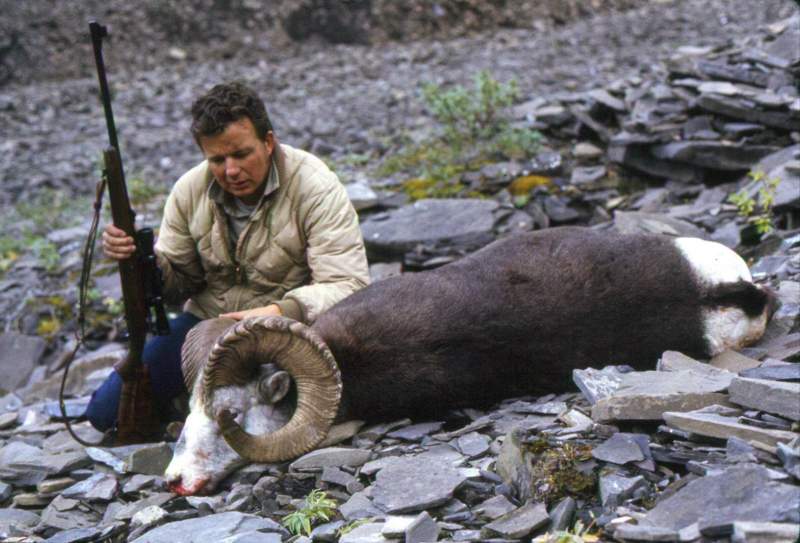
(513, 318)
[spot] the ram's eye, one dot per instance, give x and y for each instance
(230, 413)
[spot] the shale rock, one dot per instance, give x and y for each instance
(518, 523)
(330, 457)
(707, 500)
(772, 396)
(464, 223)
(720, 426)
(19, 354)
(647, 395)
(674, 129)
(209, 528)
(407, 485)
(620, 449)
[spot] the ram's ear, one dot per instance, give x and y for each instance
(273, 386)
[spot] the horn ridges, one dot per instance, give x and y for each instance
(296, 349)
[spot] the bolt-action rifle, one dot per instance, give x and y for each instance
(140, 279)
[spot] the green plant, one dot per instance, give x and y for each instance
(113, 306)
(46, 254)
(557, 470)
(317, 506)
(141, 192)
(577, 534)
(10, 249)
(53, 312)
(517, 143)
(473, 130)
(468, 116)
(757, 211)
(29, 222)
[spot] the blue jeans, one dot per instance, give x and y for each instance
(162, 356)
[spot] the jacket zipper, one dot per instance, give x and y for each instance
(223, 226)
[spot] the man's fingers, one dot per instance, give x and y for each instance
(112, 230)
(117, 244)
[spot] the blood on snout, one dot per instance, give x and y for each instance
(176, 486)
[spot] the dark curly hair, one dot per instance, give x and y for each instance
(227, 103)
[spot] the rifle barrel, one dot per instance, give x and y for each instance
(99, 32)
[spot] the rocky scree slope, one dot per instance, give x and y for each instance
(641, 455)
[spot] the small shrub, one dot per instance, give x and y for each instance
(54, 311)
(10, 249)
(317, 507)
(473, 130)
(556, 471)
(758, 211)
(518, 143)
(46, 254)
(113, 306)
(468, 116)
(578, 534)
(29, 222)
(140, 192)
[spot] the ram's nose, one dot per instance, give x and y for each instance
(176, 485)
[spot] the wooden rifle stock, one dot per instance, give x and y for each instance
(136, 420)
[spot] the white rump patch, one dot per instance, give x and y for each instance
(714, 264)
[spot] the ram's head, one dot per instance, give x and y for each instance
(264, 389)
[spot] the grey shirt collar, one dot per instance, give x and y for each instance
(238, 213)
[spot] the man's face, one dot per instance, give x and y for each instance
(238, 159)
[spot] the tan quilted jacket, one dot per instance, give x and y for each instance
(302, 247)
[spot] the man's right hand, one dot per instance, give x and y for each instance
(117, 245)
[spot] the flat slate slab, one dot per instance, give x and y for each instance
(765, 532)
(423, 529)
(64, 514)
(415, 432)
(366, 533)
(632, 532)
(454, 221)
(18, 518)
(19, 354)
(98, 487)
(675, 361)
(744, 493)
(646, 395)
(615, 488)
(712, 154)
(637, 222)
(359, 506)
(597, 384)
(733, 361)
(620, 448)
(776, 397)
(331, 457)
(494, 507)
(209, 528)
(518, 523)
(778, 372)
(715, 425)
(414, 484)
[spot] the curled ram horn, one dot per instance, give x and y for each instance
(197, 346)
(234, 358)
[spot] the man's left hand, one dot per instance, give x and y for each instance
(270, 310)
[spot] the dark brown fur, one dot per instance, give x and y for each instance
(514, 318)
